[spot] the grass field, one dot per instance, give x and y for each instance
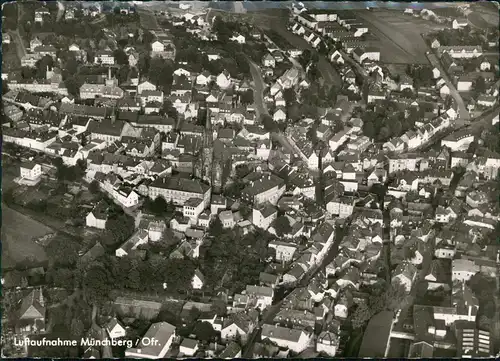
(398, 35)
(376, 335)
(18, 231)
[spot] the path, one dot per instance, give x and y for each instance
(462, 110)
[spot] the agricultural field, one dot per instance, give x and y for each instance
(399, 35)
(483, 20)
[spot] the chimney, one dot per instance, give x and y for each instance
(109, 73)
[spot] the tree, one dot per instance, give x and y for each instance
(147, 38)
(76, 328)
(97, 284)
(43, 64)
(204, 331)
(134, 276)
(158, 206)
(62, 251)
(71, 65)
(143, 63)
(61, 277)
(282, 225)
(120, 57)
(369, 130)
(289, 95)
(94, 187)
(247, 97)
(122, 74)
(361, 316)
(242, 170)
(479, 85)
(73, 86)
(268, 122)
(119, 227)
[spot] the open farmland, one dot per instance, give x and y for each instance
(398, 35)
(483, 19)
(18, 231)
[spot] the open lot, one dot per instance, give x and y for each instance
(18, 231)
(398, 35)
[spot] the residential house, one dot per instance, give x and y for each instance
(198, 280)
(188, 347)
(239, 323)
(32, 313)
(97, 217)
(463, 269)
(262, 296)
(163, 333)
(294, 340)
(264, 215)
(115, 329)
(405, 273)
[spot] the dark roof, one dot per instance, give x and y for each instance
(181, 184)
(155, 119)
(109, 127)
(32, 300)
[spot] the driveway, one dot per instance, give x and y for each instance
(463, 113)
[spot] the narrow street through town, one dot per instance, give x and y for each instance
(260, 105)
(462, 109)
(258, 90)
(271, 312)
(329, 74)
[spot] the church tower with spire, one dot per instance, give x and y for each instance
(203, 167)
